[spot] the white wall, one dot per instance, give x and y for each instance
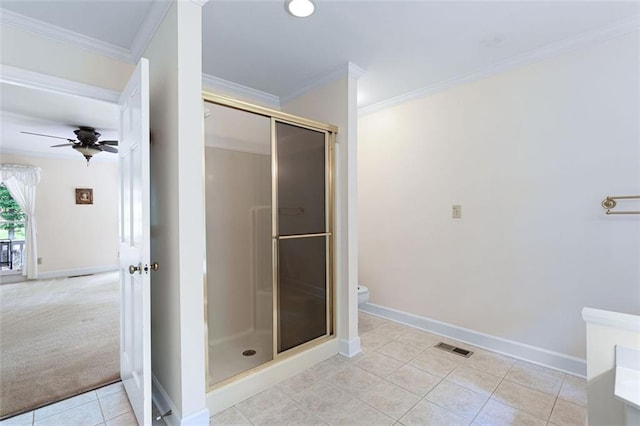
(74, 238)
(177, 222)
(529, 154)
(40, 54)
(336, 103)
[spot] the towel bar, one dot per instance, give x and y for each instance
(610, 203)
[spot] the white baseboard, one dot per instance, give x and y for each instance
(557, 361)
(201, 418)
(349, 348)
(164, 403)
(75, 272)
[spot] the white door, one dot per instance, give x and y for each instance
(135, 294)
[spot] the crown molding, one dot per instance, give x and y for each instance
(26, 78)
(56, 33)
(157, 12)
(218, 84)
(349, 69)
(550, 50)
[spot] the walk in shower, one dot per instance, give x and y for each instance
(269, 236)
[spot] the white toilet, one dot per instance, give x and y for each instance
(363, 294)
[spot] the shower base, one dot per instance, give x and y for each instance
(226, 358)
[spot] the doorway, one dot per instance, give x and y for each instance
(269, 221)
(60, 333)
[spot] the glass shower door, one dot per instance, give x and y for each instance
(302, 234)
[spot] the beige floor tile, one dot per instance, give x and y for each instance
(322, 398)
(414, 380)
(114, 405)
(475, 380)
(428, 413)
(457, 399)
(299, 382)
(536, 377)
(419, 338)
(372, 341)
(127, 419)
(377, 363)
(497, 413)
(433, 364)
(25, 419)
(400, 351)
(357, 412)
(489, 362)
(109, 389)
(367, 322)
(392, 400)
(574, 389)
(536, 403)
(329, 365)
(64, 405)
(288, 413)
(392, 330)
(568, 414)
(88, 414)
(229, 417)
(352, 379)
(262, 402)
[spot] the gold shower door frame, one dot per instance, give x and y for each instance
(329, 133)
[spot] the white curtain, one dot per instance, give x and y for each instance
(21, 182)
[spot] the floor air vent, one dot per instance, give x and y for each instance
(454, 349)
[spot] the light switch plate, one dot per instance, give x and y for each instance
(456, 211)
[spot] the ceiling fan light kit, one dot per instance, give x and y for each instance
(299, 8)
(87, 151)
(87, 142)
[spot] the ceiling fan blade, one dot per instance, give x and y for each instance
(62, 144)
(108, 142)
(47, 136)
(108, 148)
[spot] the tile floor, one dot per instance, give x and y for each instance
(401, 379)
(398, 379)
(107, 406)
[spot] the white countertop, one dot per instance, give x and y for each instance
(612, 319)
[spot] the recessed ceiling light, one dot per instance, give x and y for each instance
(300, 8)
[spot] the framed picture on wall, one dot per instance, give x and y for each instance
(84, 195)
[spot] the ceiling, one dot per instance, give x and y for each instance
(51, 113)
(403, 46)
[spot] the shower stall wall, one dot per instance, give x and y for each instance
(269, 238)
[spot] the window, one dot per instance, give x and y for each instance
(12, 232)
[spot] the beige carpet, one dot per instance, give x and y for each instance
(58, 338)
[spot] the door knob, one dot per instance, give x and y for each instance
(154, 267)
(134, 268)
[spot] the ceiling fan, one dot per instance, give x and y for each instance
(86, 142)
